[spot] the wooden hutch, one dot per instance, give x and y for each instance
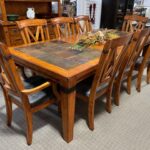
(113, 12)
(9, 33)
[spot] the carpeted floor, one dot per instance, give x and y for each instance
(126, 128)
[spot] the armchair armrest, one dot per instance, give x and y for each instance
(4, 79)
(36, 89)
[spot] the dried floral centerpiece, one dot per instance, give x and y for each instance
(98, 37)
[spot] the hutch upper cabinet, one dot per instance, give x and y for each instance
(113, 12)
(9, 33)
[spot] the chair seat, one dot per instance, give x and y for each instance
(39, 97)
(127, 69)
(84, 87)
(139, 62)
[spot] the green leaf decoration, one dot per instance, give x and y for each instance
(92, 38)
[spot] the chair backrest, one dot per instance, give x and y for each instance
(83, 24)
(133, 23)
(33, 30)
(63, 26)
(135, 47)
(134, 52)
(110, 60)
(10, 76)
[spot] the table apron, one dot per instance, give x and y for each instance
(67, 83)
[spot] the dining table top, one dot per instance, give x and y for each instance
(60, 54)
(57, 58)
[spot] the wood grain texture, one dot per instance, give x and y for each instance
(66, 78)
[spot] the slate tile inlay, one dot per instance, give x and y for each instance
(60, 54)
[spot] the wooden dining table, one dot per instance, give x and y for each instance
(58, 62)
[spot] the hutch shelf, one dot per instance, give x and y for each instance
(9, 33)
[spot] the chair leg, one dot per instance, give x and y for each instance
(108, 106)
(117, 92)
(9, 113)
(8, 108)
(57, 94)
(139, 78)
(59, 107)
(129, 79)
(148, 74)
(91, 109)
(146, 58)
(138, 84)
(28, 116)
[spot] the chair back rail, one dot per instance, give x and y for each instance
(11, 75)
(135, 47)
(83, 24)
(129, 26)
(140, 37)
(63, 26)
(33, 30)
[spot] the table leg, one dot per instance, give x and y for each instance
(68, 110)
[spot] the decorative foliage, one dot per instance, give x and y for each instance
(91, 38)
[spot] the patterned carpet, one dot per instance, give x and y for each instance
(126, 128)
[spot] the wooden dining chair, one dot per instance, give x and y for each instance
(139, 61)
(92, 88)
(63, 26)
(133, 23)
(83, 24)
(31, 95)
(142, 62)
(130, 59)
(33, 30)
(146, 53)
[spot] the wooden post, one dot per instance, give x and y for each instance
(3, 9)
